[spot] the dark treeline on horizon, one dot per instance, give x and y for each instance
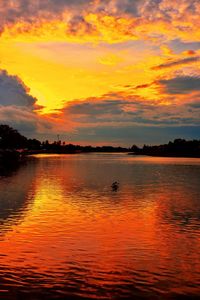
(179, 147)
(11, 139)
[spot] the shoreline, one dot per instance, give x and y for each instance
(14, 156)
(166, 155)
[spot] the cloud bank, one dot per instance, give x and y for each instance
(107, 118)
(111, 20)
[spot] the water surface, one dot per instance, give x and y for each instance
(64, 234)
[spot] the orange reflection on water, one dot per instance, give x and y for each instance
(143, 236)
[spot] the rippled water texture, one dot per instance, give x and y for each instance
(64, 234)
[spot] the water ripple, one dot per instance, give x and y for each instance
(65, 234)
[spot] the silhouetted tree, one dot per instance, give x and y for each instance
(135, 149)
(34, 144)
(11, 138)
(179, 147)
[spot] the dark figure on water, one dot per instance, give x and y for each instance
(115, 186)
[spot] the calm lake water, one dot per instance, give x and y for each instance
(64, 234)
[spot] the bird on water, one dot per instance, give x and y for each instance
(115, 186)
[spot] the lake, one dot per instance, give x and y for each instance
(66, 234)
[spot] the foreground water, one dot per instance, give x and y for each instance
(64, 234)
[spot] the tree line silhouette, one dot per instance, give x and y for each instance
(11, 140)
(179, 147)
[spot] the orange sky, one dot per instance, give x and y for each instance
(75, 51)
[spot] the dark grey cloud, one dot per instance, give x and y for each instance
(17, 107)
(14, 92)
(24, 120)
(129, 121)
(166, 10)
(96, 107)
(78, 24)
(178, 62)
(135, 111)
(195, 105)
(179, 46)
(180, 84)
(129, 6)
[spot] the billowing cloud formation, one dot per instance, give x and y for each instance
(131, 111)
(30, 11)
(111, 20)
(118, 119)
(107, 118)
(17, 106)
(27, 10)
(122, 114)
(24, 120)
(13, 91)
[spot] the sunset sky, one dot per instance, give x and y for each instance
(101, 72)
